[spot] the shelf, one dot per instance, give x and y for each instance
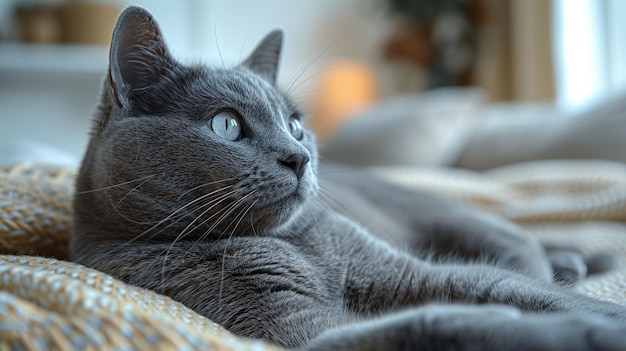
(36, 59)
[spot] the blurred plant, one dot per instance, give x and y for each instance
(440, 36)
(426, 10)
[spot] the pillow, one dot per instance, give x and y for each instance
(512, 133)
(423, 129)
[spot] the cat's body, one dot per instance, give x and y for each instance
(201, 184)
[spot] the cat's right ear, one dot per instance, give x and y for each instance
(266, 56)
(138, 56)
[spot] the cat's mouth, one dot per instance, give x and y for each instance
(290, 197)
(287, 199)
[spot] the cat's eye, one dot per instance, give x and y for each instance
(226, 124)
(295, 127)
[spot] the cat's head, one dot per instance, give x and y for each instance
(185, 151)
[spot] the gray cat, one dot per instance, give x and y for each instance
(202, 184)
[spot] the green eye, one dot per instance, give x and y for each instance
(295, 127)
(226, 125)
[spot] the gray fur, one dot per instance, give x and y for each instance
(229, 229)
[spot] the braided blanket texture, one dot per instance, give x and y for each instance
(47, 302)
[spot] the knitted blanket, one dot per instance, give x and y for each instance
(47, 302)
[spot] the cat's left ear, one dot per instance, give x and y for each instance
(138, 56)
(266, 56)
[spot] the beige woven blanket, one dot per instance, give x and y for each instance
(49, 303)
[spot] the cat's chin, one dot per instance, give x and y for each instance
(289, 204)
(277, 212)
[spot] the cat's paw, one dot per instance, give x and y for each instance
(571, 266)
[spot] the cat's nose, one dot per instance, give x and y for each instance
(297, 162)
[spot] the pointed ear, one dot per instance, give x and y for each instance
(265, 57)
(138, 55)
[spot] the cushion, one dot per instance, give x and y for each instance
(422, 129)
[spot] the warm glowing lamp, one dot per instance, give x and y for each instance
(343, 90)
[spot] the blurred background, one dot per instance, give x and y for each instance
(340, 57)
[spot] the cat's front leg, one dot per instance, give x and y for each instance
(399, 281)
(432, 225)
(486, 327)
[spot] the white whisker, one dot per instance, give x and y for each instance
(112, 186)
(212, 203)
(203, 185)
